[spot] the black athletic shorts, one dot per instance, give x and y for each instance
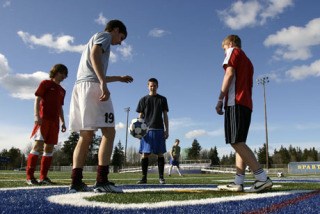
(237, 120)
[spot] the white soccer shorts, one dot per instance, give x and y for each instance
(87, 112)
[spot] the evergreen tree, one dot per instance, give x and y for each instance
(118, 156)
(228, 159)
(213, 156)
(194, 151)
(69, 146)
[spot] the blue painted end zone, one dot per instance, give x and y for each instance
(35, 201)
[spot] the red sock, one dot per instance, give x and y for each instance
(31, 165)
(45, 166)
(102, 174)
(76, 176)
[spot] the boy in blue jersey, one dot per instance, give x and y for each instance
(153, 108)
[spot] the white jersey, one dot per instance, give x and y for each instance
(85, 69)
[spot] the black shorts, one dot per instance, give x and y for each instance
(236, 123)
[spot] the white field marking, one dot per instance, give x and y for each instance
(78, 200)
(30, 187)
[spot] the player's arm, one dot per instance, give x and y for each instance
(166, 124)
(227, 79)
(95, 58)
(61, 116)
(126, 79)
(37, 119)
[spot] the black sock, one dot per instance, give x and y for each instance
(161, 166)
(144, 165)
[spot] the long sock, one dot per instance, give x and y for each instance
(76, 176)
(239, 179)
(260, 175)
(170, 168)
(102, 174)
(45, 165)
(144, 166)
(31, 164)
(161, 166)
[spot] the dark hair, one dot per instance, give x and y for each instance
(112, 24)
(153, 80)
(58, 68)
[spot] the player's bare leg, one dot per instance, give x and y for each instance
(105, 150)
(246, 157)
(82, 148)
(106, 146)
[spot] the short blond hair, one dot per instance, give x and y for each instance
(235, 39)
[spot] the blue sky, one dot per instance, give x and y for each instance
(179, 43)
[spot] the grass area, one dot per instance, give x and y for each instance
(17, 179)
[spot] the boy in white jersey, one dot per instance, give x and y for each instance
(91, 106)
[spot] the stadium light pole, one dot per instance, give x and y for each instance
(125, 148)
(263, 81)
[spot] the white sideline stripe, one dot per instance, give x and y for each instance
(30, 187)
(78, 200)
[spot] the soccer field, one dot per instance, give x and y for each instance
(192, 193)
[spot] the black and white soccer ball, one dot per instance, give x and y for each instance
(138, 128)
(280, 174)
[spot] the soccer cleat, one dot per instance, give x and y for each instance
(32, 182)
(231, 187)
(107, 187)
(82, 187)
(46, 181)
(142, 181)
(260, 186)
(162, 181)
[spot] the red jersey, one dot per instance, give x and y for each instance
(240, 91)
(52, 95)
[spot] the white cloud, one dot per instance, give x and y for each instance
(304, 71)
(251, 13)
(64, 44)
(4, 66)
(120, 126)
(20, 86)
(101, 20)
(125, 50)
(275, 7)
(195, 133)
(157, 32)
(59, 43)
(294, 43)
(23, 86)
(6, 4)
(240, 14)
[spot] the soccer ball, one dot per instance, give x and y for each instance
(138, 128)
(280, 174)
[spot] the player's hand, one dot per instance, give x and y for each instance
(166, 134)
(37, 120)
(105, 93)
(127, 79)
(63, 127)
(219, 107)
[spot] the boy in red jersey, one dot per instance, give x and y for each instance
(236, 91)
(48, 111)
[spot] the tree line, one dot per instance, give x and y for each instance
(15, 159)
